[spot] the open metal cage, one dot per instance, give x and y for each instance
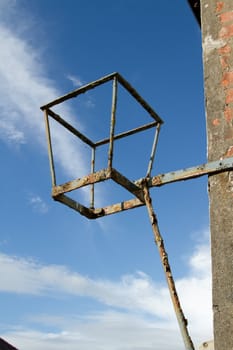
(59, 191)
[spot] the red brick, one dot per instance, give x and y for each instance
(227, 79)
(226, 31)
(226, 17)
(229, 97)
(224, 50)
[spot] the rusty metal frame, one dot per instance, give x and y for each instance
(59, 191)
(139, 188)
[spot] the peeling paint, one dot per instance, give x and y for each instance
(210, 44)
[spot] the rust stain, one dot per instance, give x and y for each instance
(216, 122)
(226, 49)
(219, 6)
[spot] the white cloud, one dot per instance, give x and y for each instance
(133, 297)
(24, 88)
(10, 134)
(38, 204)
(109, 330)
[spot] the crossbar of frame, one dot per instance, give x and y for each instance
(101, 81)
(99, 176)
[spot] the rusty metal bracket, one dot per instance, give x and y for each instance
(59, 191)
(135, 187)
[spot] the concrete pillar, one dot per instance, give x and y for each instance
(217, 32)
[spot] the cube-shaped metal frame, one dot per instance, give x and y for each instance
(59, 191)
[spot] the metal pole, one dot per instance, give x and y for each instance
(92, 201)
(49, 142)
(152, 156)
(167, 270)
(113, 121)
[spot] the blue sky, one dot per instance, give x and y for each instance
(67, 282)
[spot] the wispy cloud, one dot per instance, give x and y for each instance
(76, 81)
(24, 88)
(38, 204)
(131, 295)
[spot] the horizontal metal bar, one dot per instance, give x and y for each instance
(98, 176)
(136, 95)
(190, 173)
(70, 127)
(98, 212)
(159, 180)
(210, 168)
(118, 207)
(127, 133)
(79, 91)
(100, 81)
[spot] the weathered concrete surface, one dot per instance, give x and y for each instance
(217, 31)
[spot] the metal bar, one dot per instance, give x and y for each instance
(156, 181)
(167, 270)
(190, 173)
(79, 91)
(92, 200)
(76, 206)
(99, 176)
(118, 207)
(50, 150)
(113, 122)
(127, 133)
(152, 157)
(127, 184)
(68, 126)
(136, 95)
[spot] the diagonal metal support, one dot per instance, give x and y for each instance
(183, 323)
